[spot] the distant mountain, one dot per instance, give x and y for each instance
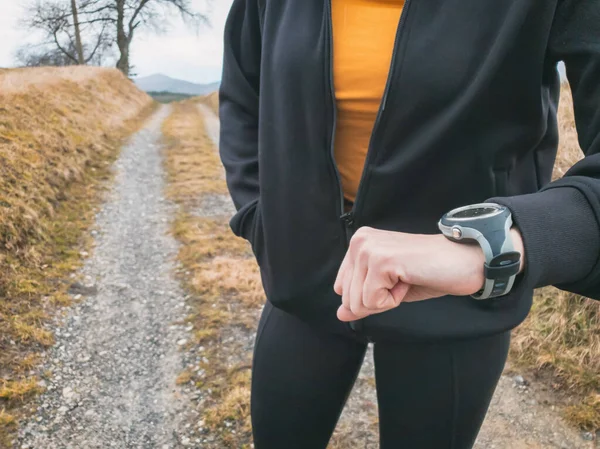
(163, 83)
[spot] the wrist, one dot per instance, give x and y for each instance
(470, 258)
(518, 246)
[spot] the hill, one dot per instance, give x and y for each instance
(60, 128)
(163, 83)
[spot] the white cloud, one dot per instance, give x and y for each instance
(179, 52)
(10, 34)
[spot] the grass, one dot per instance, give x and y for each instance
(168, 97)
(221, 274)
(560, 340)
(19, 389)
(60, 129)
(212, 100)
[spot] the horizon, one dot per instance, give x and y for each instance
(176, 79)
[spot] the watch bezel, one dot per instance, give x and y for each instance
(498, 209)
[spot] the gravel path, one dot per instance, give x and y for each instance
(116, 358)
(522, 417)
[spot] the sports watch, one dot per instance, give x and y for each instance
(489, 225)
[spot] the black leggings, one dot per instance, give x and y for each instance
(430, 395)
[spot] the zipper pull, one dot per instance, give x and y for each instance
(348, 219)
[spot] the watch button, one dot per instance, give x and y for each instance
(457, 233)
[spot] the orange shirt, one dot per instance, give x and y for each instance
(364, 32)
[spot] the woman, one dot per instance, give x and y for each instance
(349, 127)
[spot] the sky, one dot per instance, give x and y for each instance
(179, 52)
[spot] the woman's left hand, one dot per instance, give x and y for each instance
(384, 268)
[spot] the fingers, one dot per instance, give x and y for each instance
(339, 280)
(346, 315)
(355, 292)
(365, 279)
(376, 295)
(364, 291)
(349, 273)
(399, 292)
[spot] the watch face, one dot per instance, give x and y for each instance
(475, 211)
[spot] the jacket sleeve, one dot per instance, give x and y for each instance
(560, 224)
(238, 111)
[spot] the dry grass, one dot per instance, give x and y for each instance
(569, 150)
(212, 100)
(184, 377)
(221, 274)
(14, 81)
(560, 340)
(194, 168)
(59, 131)
(19, 389)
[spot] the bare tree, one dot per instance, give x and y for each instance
(128, 16)
(84, 30)
(64, 38)
(78, 43)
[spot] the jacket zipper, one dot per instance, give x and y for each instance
(371, 150)
(345, 218)
(348, 218)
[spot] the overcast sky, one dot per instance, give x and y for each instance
(179, 52)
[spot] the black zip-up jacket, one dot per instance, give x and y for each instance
(468, 115)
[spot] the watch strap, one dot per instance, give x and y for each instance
(500, 275)
(502, 262)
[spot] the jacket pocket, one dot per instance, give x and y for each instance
(246, 223)
(242, 223)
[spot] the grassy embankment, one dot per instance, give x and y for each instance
(60, 129)
(559, 342)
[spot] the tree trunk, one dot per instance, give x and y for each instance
(78, 44)
(122, 39)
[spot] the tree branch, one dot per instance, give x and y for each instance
(65, 52)
(136, 13)
(184, 9)
(100, 41)
(93, 12)
(98, 20)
